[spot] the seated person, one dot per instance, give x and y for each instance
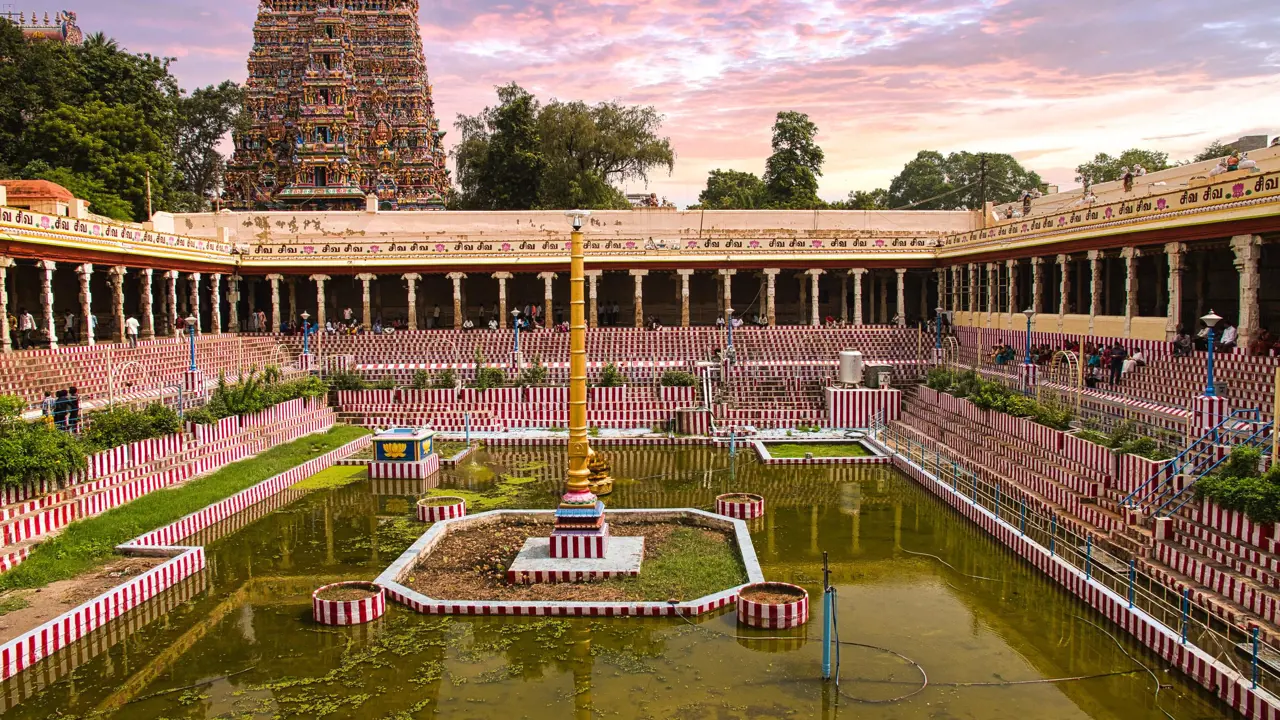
(467, 324)
(1229, 334)
(1262, 346)
(1182, 345)
(493, 323)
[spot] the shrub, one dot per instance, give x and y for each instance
(993, 396)
(610, 376)
(386, 383)
(33, 451)
(535, 374)
(1237, 486)
(421, 380)
(679, 378)
(490, 377)
(446, 379)
(123, 425)
(252, 395)
(345, 380)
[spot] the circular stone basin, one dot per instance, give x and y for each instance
(435, 509)
(743, 506)
(773, 605)
(348, 603)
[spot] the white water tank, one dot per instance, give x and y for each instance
(850, 367)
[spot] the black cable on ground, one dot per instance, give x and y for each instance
(953, 567)
(1136, 661)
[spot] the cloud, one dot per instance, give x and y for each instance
(1050, 82)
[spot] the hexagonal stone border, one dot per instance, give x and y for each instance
(404, 565)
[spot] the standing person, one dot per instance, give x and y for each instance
(69, 328)
(1118, 355)
(179, 326)
(617, 312)
(93, 325)
(48, 406)
(61, 409)
(73, 409)
(435, 316)
(26, 327)
(131, 331)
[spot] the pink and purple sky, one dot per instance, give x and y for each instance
(1050, 81)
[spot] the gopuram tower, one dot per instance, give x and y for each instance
(339, 107)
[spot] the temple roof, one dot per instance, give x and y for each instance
(37, 190)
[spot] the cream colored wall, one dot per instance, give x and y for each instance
(1143, 328)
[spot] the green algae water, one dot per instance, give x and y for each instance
(239, 642)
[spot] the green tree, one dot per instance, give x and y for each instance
(732, 190)
(920, 183)
(962, 180)
(1105, 168)
(101, 200)
(499, 158)
(204, 119)
(791, 172)
(877, 199)
(1214, 151)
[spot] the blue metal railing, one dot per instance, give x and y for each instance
(1194, 456)
(1261, 438)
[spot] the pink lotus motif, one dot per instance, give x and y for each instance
(568, 246)
(817, 243)
(97, 229)
(1237, 190)
(754, 244)
(309, 249)
(879, 243)
(375, 248)
(692, 244)
(631, 245)
(439, 248)
(1162, 204)
(1024, 227)
(44, 222)
(1062, 221)
(506, 247)
(1109, 212)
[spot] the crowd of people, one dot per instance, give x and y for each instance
(62, 409)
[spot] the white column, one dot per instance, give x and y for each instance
(46, 300)
(1037, 282)
(857, 274)
(1095, 287)
(1248, 252)
(148, 330)
(844, 298)
(116, 279)
(275, 301)
(771, 308)
(547, 300)
(1011, 267)
(814, 311)
(1064, 286)
(366, 303)
(457, 279)
(215, 303)
(942, 294)
(726, 278)
(503, 310)
(902, 297)
(194, 280)
(1174, 251)
(171, 299)
(639, 276)
(411, 285)
(233, 303)
(1130, 255)
(6, 342)
(993, 291)
(322, 314)
(86, 303)
(593, 305)
(684, 296)
(973, 289)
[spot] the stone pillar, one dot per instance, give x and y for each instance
(814, 311)
(857, 274)
(6, 342)
(503, 310)
(1011, 267)
(215, 303)
(548, 312)
(171, 300)
(1095, 287)
(942, 295)
(411, 280)
(1175, 252)
(193, 279)
(1037, 282)
(993, 291)
(86, 303)
(116, 279)
(972, 271)
(233, 304)
(593, 305)
(148, 320)
(1064, 287)
(902, 297)
(366, 303)
(457, 279)
(770, 295)
(844, 298)
(275, 302)
(1248, 251)
(726, 278)
(292, 284)
(46, 300)
(1130, 255)
(684, 296)
(322, 311)
(639, 276)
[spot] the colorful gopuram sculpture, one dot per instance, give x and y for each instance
(61, 28)
(340, 108)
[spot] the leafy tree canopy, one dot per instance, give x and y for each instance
(1105, 168)
(521, 155)
(791, 172)
(1214, 151)
(933, 181)
(732, 190)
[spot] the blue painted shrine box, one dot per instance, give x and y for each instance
(403, 445)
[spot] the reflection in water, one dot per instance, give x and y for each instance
(241, 644)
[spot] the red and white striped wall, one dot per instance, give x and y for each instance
(684, 396)
(492, 395)
(1228, 685)
(224, 429)
(349, 612)
(1208, 412)
(419, 470)
(1236, 524)
(1091, 455)
(435, 512)
(742, 506)
(580, 546)
(770, 616)
(530, 577)
(547, 395)
(693, 421)
(1133, 471)
(854, 408)
(607, 394)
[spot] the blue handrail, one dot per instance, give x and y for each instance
(1182, 460)
(1261, 437)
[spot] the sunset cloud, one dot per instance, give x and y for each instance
(1050, 82)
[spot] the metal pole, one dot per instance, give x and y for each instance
(997, 502)
(1208, 388)
(1186, 612)
(1022, 530)
(1088, 558)
(826, 618)
(191, 333)
(1053, 535)
(1255, 657)
(1275, 415)
(733, 442)
(467, 417)
(1132, 577)
(306, 337)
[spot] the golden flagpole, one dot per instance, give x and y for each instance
(579, 448)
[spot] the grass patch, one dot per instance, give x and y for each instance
(11, 603)
(691, 563)
(447, 450)
(88, 543)
(504, 493)
(819, 450)
(335, 477)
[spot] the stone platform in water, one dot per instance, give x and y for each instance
(534, 563)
